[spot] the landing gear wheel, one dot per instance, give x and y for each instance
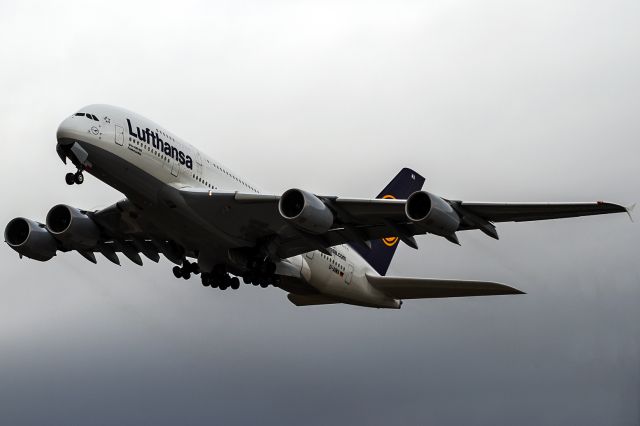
(177, 272)
(186, 275)
(70, 178)
(205, 280)
(78, 178)
(235, 283)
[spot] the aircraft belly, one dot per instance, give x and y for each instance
(358, 291)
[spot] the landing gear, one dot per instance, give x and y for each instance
(221, 281)
(186, 270)
(235, 283)
(261, 275)
(70, 178)
(77, 178)
(177, 272)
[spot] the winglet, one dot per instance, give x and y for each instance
(629, 210)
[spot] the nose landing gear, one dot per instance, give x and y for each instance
(77, 178)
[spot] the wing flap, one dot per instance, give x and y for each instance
(428, 288)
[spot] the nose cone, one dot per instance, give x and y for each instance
(68, 131)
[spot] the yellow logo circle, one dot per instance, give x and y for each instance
(390, 241)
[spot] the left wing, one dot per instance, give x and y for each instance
(521, 212)
(257, 220)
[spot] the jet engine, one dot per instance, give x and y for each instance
(433, 213)
(305, 211)
(30, 238)
(72, 227)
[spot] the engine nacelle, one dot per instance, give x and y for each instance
(73, 228)
(433, 213)
(305, 211)
(30, 238)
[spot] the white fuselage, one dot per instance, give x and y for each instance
(138, 157)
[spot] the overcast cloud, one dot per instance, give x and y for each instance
(492, 101)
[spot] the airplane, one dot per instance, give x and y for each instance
(210, 221)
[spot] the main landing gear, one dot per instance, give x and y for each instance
(76, 178)
(219, 278)
(186, 270)
(262, 275)
(221, 281)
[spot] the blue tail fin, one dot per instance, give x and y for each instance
(382, 250)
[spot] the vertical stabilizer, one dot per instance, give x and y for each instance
(382, 250)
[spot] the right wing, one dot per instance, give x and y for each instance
(428, 288)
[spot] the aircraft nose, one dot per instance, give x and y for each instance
(66, 132)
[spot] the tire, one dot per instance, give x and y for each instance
(177, 272)
(264, 284)
(70, 178)
(246, 279)
(186, 275)
(78, 178)
(235, 283)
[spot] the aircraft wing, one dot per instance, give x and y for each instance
(254, 219)
(521, 212)
(427, 288)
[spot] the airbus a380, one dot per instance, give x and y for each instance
(212, 222)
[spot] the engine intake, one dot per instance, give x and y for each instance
(433, 213)
(30, 238)
(305, 211)
(73, 228)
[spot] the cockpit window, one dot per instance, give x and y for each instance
(89, 116)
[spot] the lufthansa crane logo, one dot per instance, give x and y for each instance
(390, 241)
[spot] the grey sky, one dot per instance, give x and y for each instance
(492, 101)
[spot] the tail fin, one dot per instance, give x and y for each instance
(382, 250)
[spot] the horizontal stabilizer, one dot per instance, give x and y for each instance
(310, 300)
(427, 288)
